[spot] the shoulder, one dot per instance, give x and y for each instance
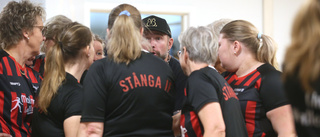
(203, 73)
(154, 61)
(267, 71)
(151, 58)
(70, 84)
(3, 54)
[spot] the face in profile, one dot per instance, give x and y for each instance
(98, 49)
(225, 54)
(35, 37)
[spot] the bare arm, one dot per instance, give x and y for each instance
(71, 126)
(282, 121)
(176, 124)
(5, 135)
(91, 129)
(212, 120)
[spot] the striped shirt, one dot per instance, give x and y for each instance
(259, 92)
(17, 88)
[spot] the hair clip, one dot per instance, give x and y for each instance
(125, 12)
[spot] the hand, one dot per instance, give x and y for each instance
(176, 124)
(5, 135)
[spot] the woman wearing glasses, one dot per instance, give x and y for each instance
(20, 33)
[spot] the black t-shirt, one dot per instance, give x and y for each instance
(205, 86)
(259, 92)
(66, 103)
(305, 106)
(180, 82)
(18, 87)
(131, 100)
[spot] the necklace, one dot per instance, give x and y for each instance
(21, 72)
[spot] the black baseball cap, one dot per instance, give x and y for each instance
(155, 23)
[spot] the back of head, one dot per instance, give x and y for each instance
(69, 48)
(200, 44)
(124, 40)
(53, 27)
(15, 18)
(217, 26)
(303, 52)
(262, 46)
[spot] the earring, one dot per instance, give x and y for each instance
(235, 53)
(27, 37)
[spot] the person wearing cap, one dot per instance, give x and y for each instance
(129, 92)
(158, 32)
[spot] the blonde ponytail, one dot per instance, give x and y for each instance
(68, 48)
(267, 52)
(124, 40)
(124, 43)
(56, 74)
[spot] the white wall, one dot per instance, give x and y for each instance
(284, 13)
(200, 12)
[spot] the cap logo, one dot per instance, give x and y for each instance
(151, 23)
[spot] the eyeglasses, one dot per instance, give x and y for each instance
(179, 53)
(40, 27)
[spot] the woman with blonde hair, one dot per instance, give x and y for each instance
(302, 70)
(249, 58)
(59, 103)
(128, 93)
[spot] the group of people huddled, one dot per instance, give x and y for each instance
(225, 81)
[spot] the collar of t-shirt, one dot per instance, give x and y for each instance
(212, 67)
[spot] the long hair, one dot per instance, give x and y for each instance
(124, 43)
(16, 17)
(302, 55)
(247, 33)
(53, 27)
(68, 49)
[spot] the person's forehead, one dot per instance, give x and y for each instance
(39, 20)
(157, 33)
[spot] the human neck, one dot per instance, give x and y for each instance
(167, 59)
(76, 69)
(194, 66)
(19, 53)
(247, 66)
